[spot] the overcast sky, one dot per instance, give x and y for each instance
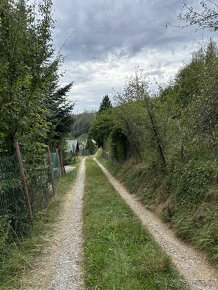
(104, 41)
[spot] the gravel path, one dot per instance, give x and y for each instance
(60, 265)
(191, 264)
(68, 274)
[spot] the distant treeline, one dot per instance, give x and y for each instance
(82, 123)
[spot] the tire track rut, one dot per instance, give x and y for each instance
(191, 264)
(60, 265)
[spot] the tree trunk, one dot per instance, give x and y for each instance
(156, 136)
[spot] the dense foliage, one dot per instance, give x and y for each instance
(90, 146)
(169, 144)
(33, 108)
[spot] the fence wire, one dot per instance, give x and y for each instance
(12, 205)
(39, 180)
(39, 183)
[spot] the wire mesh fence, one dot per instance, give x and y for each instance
(12, 204)
(39, 178)
(39, 183)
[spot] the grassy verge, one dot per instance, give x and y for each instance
(17, 257)
(185, 200)
(113, 168)
(119, 253)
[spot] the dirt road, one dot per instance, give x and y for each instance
(191, 265)
(60, 266)
(68, 273)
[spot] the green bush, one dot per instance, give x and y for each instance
(90, 146)
(118, 144)
(68, 158)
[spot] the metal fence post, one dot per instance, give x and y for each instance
(51, 170)
(24, 181)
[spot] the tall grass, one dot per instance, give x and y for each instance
(187, 197)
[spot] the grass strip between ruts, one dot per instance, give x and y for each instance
(118, 252)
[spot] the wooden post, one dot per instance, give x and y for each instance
(24, 182)
(51, 171)
(59, 161)
(62, 163)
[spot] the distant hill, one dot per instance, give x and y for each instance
(82, 123)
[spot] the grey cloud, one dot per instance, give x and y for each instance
(100, 27)
(106, 40)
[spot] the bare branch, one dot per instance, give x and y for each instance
(207, 18)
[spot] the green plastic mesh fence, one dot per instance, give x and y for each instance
(55, 167)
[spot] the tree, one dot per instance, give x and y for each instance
(203, 111)
(60, 116)
(190, 106)
(27, 72)
(90, 146)
(30, 99)
(206, 18)
(101, 128)
(136, 91)
(105, 104)
(129, 122)
(187, 82)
